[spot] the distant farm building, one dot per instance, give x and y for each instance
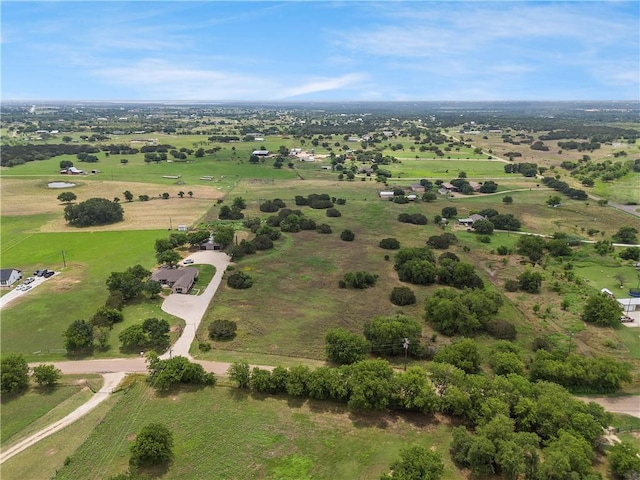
(417, 187)
(71, 171)
(468, 222)
(384, 195)
(260, 153)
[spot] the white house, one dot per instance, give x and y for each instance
(386, 194)
(8, 276)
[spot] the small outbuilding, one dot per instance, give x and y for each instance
(260, 153)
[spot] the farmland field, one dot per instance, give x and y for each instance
(240, 436)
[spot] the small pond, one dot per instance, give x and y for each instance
(61, 184)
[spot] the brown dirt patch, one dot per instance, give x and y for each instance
(52, 451)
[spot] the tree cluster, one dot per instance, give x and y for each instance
(526, 169)
(564, 188)
(165, 374)
(93, 212)
(462, 313)
(414, 218)
(152, 333)
(418, 266)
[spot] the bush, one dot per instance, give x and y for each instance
(14, 373)
(239, 280)
(347, 236)
(389, 244)
(153, 446)
(324, 228)
(501, 329)
(415, 218)
(402, 296)
(222, 329)
(333, 212)
(262, 242)
(360, 279)
(344, 347)
(530, 281)
(511, 285)
(269, 207)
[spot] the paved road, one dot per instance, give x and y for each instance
(629, 405)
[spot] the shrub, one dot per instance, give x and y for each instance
(222, 329)
(262, 242)
(530, 281)
(360, 279)
(269, 207)
(389, 244)
(239, 280)
(415, 218)
(153, 445)
(501, 329)
(333, 212)
(347, 236)
(344, 347)
(402, 296)
(323, 228)
(511, 285)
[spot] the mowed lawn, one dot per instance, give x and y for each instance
(33, 325)
(224, 433)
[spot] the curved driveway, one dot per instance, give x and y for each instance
(191, 308)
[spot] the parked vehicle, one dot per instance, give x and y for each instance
(626, 319)
(187, 261)
(29, 280)
(49, 273)
(39, 273)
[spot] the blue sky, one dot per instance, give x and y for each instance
(303, 51)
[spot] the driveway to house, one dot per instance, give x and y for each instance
(191, 308)
(15, 293)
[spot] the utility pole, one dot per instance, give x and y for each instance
(570, 339)
(405, 345)
(64, 261)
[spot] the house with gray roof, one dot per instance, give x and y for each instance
(179, 280)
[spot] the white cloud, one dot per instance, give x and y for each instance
(324, 84)
(159, 79)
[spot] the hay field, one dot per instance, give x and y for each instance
(20, 197)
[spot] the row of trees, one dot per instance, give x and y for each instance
(15, 374)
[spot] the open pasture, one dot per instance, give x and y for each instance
(222, 433)
(25, 198)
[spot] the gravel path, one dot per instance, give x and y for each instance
(111, 381)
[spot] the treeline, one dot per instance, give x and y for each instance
(12, 155)
(526, 169)
(520, 427)
(564, 188)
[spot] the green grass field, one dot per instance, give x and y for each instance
(223, 433)
(25, 413)
(76, 293)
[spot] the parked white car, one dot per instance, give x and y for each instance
(187, 261)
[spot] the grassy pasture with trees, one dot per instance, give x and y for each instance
(294, 297)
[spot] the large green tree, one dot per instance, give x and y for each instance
(14, 373)
(387, 333)
(46, 375)
(153, 446)
(602, 310)
(79, 336)
(416, 463)
(344, 347)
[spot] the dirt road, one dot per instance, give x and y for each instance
(111, 381)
